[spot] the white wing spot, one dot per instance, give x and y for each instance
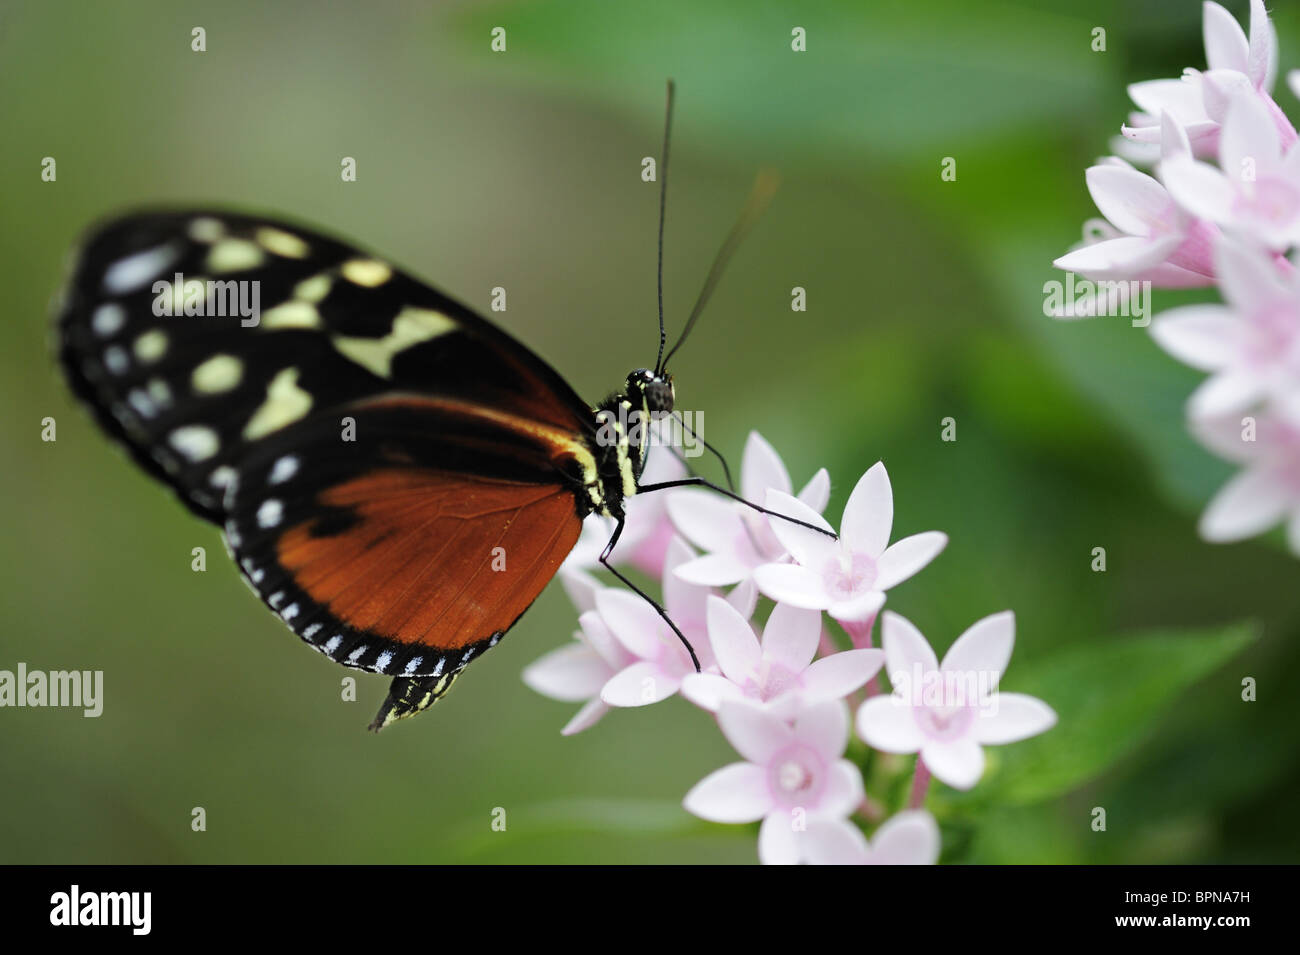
(283, 469)
(412, 666)
(159, 392)
(289, 612)
(333, 643)
(108, 319)
(437, 671)
(496, 638)
(384, 659)
(309, 632)
(222, 476)
(197, 442)
(115, 359)
(355, 655)
(129, 274)
(276, 598)
(468, 653)
(270, 512)
(142, 403)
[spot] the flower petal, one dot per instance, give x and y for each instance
(838, 675)
(1015, 717)
(843, 792)
(1249, 277)
(712, 570)
(834, 842)
(910, 837)
(1124, 257)
(869, 513)
(602, 641)
(817, 492)
(744, 597)
(586, 717)
(1261, 65)
(806, 546)
(1229, 392)
(708, 691)
(573, 673)
(791, 635)
(633, 621)
(792, 584)
(733, 641)
(905, 649)
(639, 685)
(824, 727)
(1203, 336)
(1130, 200)
(755, 734)
(706, 520)
(1199, 188)
(985, 647)
(860, 611)
(734, 793)
(580, 586)
(959, 763)
(761, 468)
(888, 725)
(778, 843)
(1226, 47)
(1248, 504)
(907, 556)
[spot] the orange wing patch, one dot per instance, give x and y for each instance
(432, 559)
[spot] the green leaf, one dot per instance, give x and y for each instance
(1109, 698)
(881, 77)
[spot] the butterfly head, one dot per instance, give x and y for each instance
(652, 390)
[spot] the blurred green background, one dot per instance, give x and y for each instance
(522, 169)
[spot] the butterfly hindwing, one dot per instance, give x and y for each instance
(411, 548)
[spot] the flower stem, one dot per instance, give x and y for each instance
(859, 632)
(920, 784)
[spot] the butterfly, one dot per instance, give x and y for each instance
(396, 477)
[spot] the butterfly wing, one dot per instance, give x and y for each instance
(194, 335)
(397, 478)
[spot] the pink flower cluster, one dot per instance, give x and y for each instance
(1222, 208)
(781, 692)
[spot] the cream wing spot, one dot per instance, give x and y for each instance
(151, 345)
(206, 230)
(410, 327)
(282, 243)
(285, 403)
(197, 442)
(283, 469)
(234, 255)
(312, 290)
(292, 314)
(367, 273)
(219, 373)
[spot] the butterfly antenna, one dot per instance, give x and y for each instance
(764, 188)
(663, 205)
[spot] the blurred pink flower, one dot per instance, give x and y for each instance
(578, 671)
(947, 710)
(846, 577)
(737, 538)
(1251, 344)
(1267, 490)
(1256, 193)
(910, 837)
(1198, 100)
(779, 674)
(792, 776)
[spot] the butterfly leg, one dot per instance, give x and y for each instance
(604, 560)
(701, 482)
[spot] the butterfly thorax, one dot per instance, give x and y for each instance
(625, 424)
